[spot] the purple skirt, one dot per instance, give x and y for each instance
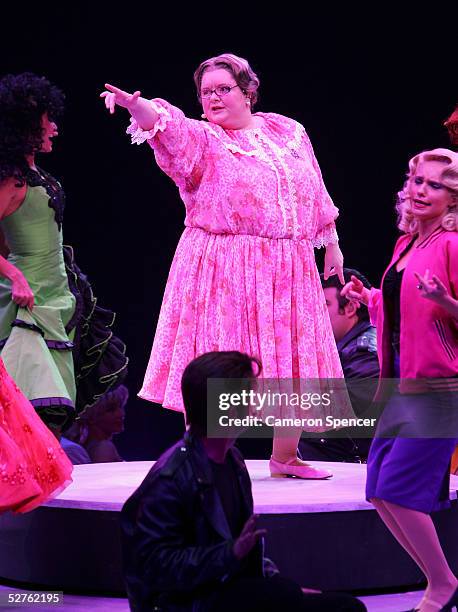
(410, 472)
(409, 458)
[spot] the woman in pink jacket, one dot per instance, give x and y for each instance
(416, 313)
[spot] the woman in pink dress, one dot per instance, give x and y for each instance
(244, 275)
(33, 466)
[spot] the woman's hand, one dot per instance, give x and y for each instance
(333, 262)
(21, 292)
(431, 288)
(140, 109)
(435, 290)
(115, 96)
(355, 290)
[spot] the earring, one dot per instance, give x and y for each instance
(248, 102)
(204, 116)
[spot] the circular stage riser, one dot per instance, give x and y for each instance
(79, 550)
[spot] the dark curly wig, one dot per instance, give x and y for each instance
(24, 98)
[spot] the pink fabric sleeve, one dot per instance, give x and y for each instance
(178, 143)
(373, 305)
(326, 232)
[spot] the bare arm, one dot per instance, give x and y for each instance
(21, 293)
(11, 197)
(139, 108)
(333, 262)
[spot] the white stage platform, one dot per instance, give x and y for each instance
(320, 532)
(106, 486)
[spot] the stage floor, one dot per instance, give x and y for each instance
(106, 486)
(321, 533)
(78, 603)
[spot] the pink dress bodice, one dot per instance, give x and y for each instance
(263, 182)
(244, 275)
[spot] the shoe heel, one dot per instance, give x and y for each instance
(278, 475)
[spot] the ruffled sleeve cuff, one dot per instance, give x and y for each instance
(138, 135)
(327, 235)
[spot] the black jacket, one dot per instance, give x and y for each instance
(359, 360)
(177, 544)
(358, 352)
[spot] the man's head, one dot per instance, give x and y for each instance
(217, 364)
(344, 314)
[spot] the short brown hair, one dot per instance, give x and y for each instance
(244, 75)
(216, 364)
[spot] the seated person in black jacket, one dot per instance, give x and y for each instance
(190, 539)
(357, 345)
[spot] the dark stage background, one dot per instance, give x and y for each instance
(371, 87)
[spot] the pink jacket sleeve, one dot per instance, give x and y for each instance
(178, 143)
(326, 232)
(375, 298)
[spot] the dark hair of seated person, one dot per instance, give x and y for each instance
(216, 364)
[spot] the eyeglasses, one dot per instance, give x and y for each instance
(221, 90)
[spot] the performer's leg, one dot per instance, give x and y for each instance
(388, 518)
(419, 531)
(285, 445)
(392, 525)
(285, 461)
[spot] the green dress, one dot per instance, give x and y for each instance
(66, 338)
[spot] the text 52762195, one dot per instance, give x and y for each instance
(38, 598)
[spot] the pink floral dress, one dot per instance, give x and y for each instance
(244, 275)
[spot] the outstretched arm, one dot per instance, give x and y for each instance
(139, 108)
(355, 290)
(178, 142)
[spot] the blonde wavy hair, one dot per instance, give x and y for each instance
(243, 74)
(449, 177)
